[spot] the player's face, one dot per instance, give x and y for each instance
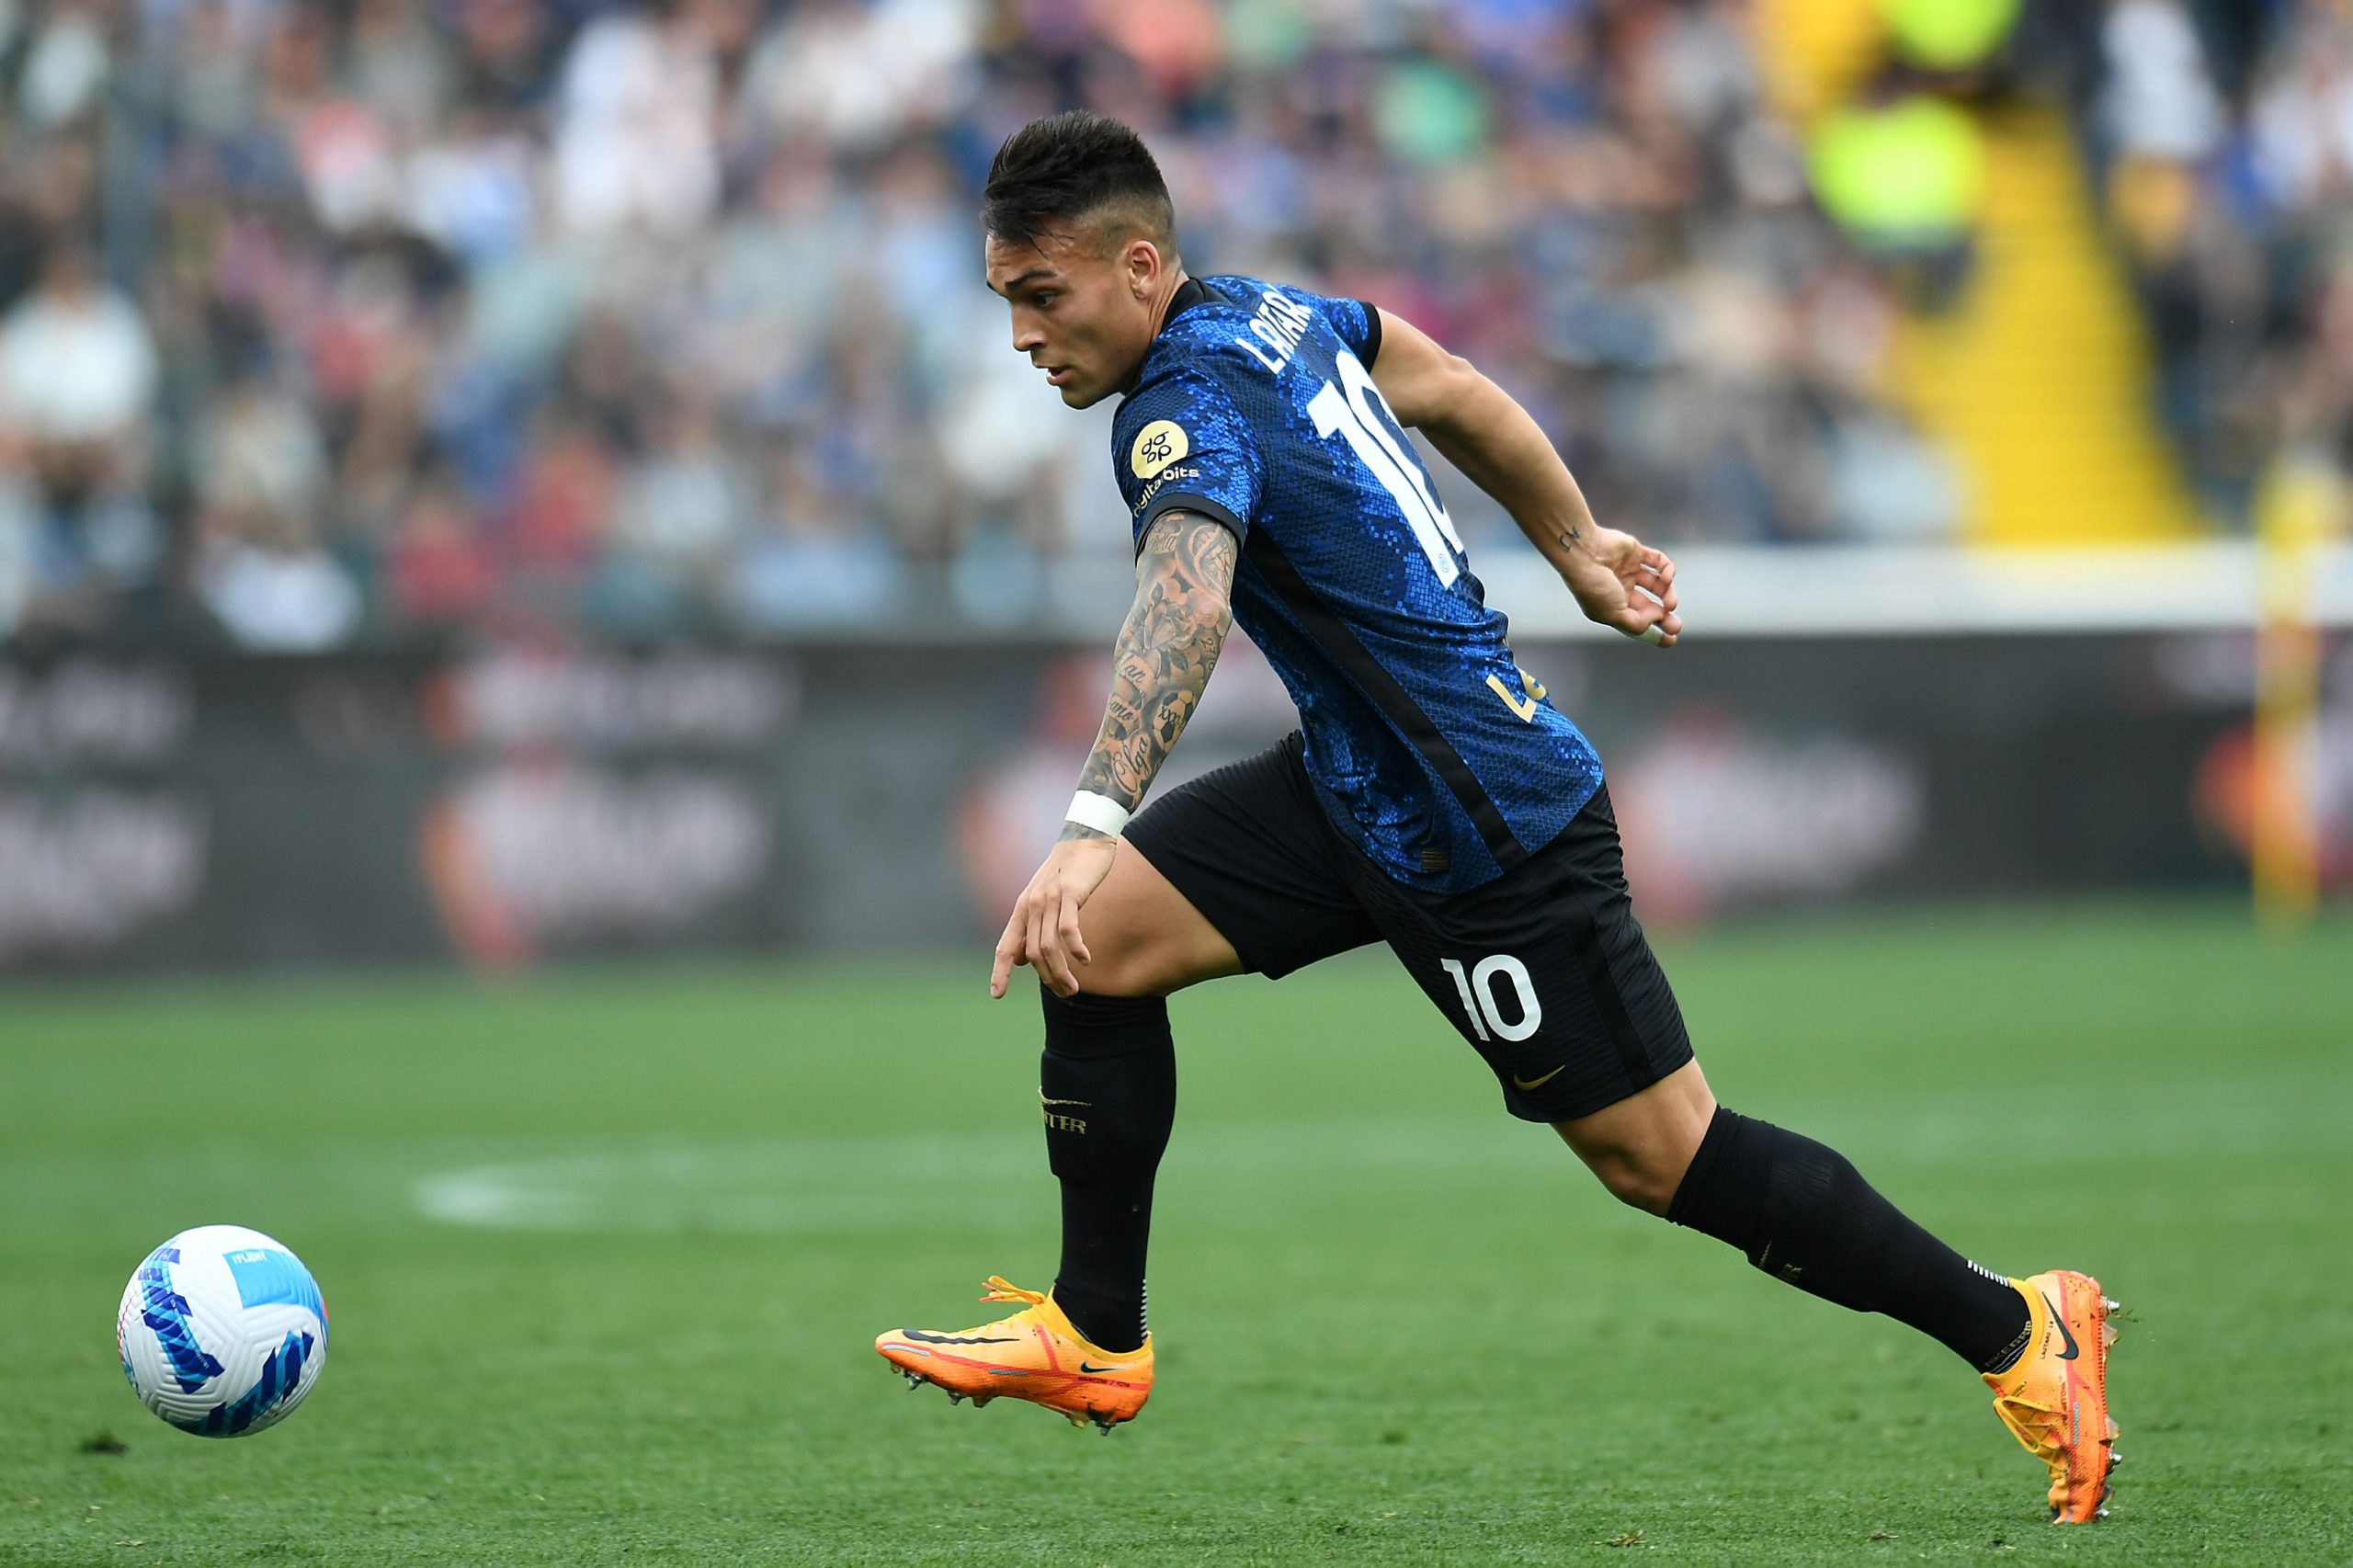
(1082, 306)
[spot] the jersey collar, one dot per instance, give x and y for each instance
(1190, 292)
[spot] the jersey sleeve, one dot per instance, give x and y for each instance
(1183, 442)
(1358, 323)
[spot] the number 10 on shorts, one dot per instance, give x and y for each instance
(1478, 989)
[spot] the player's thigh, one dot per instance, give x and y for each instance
(1547, 973)
(1145, 938)
(1246, 851)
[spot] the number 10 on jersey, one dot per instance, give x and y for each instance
(1355, 411)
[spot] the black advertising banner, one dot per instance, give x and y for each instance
(501, 805)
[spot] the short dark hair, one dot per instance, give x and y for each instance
(1077, 166)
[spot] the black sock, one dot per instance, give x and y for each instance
(1109, 1086)
(1806, 1216)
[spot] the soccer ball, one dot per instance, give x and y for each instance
(221, 1331)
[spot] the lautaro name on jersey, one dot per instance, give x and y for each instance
(1426, 743)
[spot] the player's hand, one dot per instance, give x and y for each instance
(1620, 580)
(1043, 929)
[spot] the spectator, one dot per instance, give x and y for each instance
(440, 566)
(65, 65)
(76, 366)
(77, 372)
(2160, 102)
(813, 563)
(634, 144)
(276, 590)
(684, 510)
(260, 461)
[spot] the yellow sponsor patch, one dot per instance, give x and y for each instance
(1158, 444)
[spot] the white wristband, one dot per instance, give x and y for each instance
(1101, 812)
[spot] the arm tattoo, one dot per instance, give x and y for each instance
(1182, 612)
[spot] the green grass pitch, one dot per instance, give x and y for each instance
(605, 1252)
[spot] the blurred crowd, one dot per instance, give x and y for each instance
(2223, 132)
(330, 320)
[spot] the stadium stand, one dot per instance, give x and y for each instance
(327, 323)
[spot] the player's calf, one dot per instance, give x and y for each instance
(1106, 1090)
(1802, 1213)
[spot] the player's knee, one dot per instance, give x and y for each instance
(1641, 1165)
(1149, 965)
(1640, 1147)
(1637, 1179)
(1127, 968)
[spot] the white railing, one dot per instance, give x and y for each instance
(1896, 590)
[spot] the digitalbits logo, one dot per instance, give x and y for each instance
(1157, 445)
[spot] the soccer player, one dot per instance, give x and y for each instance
(1432, 799)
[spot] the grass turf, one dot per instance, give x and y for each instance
(1395, 1326)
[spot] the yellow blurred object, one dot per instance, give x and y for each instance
(1910, 175)
(1948, 35)
(2294, 511)
(1814, 53)
(2038, 379)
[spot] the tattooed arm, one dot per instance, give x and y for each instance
(1166, 649)
(1184, 581)
(1483, 430)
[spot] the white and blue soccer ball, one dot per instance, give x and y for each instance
(221, 1331)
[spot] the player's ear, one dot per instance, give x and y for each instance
(1145, 267)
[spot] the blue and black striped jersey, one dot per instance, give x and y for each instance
(1426, 742)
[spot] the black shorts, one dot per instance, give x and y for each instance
(1544, 970)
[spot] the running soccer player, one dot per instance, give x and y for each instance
(1432, 799)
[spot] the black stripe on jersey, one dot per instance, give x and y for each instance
(1325, 625)
(1372, 334)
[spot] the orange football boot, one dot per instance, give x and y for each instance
(1034, 1355)
(2055, 1399)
